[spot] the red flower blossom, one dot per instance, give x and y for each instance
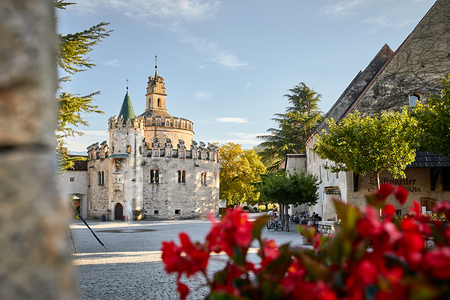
(370, 225)
(384, 191)
(437, 262)
(183, 290)
(187, 258)
(401, 194)
(389, 210)
(416, 208)
(233, 229)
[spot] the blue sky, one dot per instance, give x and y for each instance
(227, 64)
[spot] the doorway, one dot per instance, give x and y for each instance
(118, 212)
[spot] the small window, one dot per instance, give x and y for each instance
(181, 176)
(72, 179)
(413, 99)
(128, 149)
(154, 176)
(156, 212)
(177, 211)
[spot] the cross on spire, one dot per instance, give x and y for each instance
(156, 66)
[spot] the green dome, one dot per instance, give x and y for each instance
(127, 110)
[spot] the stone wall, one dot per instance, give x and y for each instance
(35, 260)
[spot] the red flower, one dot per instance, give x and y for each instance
(187, 258)
(183, 290)
(389, 210)
(370, 225)
(437, 262)
(416, 208)
(384, 191)
(233, 229)
(401, 194)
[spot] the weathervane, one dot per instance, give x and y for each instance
(127, 84)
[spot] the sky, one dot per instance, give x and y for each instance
(228, 64)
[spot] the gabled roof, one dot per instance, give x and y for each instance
(127, 110)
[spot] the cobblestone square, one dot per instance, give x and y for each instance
(130, 267)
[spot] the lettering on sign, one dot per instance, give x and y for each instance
(386, 180)
(413, 189)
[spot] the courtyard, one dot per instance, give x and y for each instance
(130, 266)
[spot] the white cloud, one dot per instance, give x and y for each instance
(232, 120)
(213, 53)
(245, 135)
(343, 7)
(247, 86)
(203, 95)
(161, 9)
(89, 137)
(112, 63)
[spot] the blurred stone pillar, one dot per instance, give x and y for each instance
(35, 260)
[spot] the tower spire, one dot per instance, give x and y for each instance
(156, 66)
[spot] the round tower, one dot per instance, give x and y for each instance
(158, 123)
(126, 139)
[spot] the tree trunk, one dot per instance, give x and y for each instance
(286, 211)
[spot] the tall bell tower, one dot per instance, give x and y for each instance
(156, 92)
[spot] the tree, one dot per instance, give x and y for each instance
(386, 141)
(290, 189)
(72, 59)
(294, 126)
(434, 120)
(240, 169)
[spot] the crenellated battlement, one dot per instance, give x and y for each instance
(96, 151)
(166, 150)
(136, 123)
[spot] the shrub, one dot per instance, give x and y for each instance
(368, 257)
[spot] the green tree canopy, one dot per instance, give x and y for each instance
(240, 170)
(386, 141)
(434, 121)
(72, 58)
(294, 126)
(290, 189)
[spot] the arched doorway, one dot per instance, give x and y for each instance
(118, 212)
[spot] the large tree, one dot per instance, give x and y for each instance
(290, 189)
(72, 58)
(240, 170)
(434, 120)
(294, 126)
(386, 141)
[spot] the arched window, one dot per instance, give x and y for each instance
(181, 176)
(101, 178)
(413, 99)
(159, 102)
(203, 178)
(154, 176)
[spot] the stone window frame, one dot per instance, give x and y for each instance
(203, 178)
(72, 179)
(181, 176)
(101, 178)
(412, 101)
(156, 212)
(178, 211)
(154, 176)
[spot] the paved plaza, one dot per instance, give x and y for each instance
(130, 267)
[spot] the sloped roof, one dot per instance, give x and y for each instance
(429, 159)
(127, 110)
